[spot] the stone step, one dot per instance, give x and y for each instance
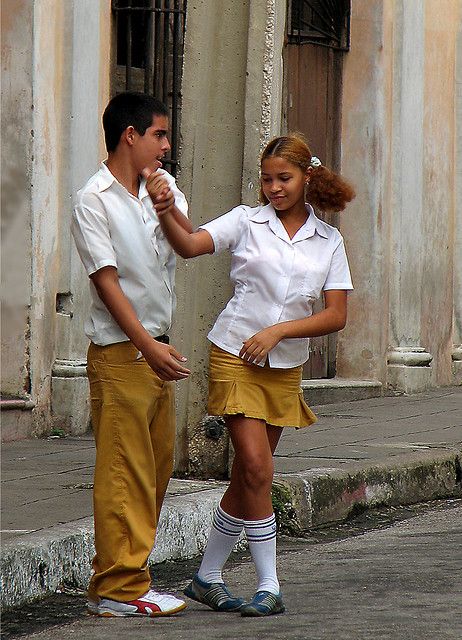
(330, 390)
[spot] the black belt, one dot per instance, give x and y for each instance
(165, 339)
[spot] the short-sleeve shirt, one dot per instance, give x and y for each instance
(111, 227)
(275, 278)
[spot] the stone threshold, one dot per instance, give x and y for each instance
(331, 390)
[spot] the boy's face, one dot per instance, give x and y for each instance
(149, 149)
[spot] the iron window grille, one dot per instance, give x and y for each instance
(149, 55)
(320, 22)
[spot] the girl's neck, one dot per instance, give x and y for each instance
(292, 219)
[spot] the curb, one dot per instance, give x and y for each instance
(319, 497)
(38, 564)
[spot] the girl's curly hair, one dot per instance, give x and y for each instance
(326, 190)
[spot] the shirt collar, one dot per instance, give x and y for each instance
(312, 225)
(106, 179)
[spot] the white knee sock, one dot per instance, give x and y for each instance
(261, 535)
(223, 536)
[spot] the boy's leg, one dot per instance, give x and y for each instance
(162, 433)
(124, 395)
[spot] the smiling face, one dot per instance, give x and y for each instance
(149, 149)
(283, 184)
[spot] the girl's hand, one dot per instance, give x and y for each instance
(256, 348)
(157, 187)
(163, 203)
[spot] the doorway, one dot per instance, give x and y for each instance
(317, 39)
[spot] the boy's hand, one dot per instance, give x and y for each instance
(157, 187)
(256, 348)
(165, 361)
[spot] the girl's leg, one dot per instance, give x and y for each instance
(249, 493)
(227, 526)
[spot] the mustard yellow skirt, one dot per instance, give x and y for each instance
(272, 395)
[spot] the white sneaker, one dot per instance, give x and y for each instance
(151, 604)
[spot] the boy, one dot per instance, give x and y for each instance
(130, 363)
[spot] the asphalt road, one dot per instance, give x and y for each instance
(401, 581)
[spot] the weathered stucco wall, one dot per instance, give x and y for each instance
(457, 340)
(365, 144)
(55, 64)
(398, 139)
(17, 137)
(439, 182)
(212, 125)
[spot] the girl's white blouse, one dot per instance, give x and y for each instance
(275, 278)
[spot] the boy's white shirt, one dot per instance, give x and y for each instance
(111, 227)
(275, 278)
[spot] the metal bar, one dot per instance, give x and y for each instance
(177, 50)
(157, 53)
(148, 53)
(128, 68)
(319, 43)
(319, 14)
(165, 54)
(315, 29)
(147, 10)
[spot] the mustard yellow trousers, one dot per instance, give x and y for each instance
(133, 419)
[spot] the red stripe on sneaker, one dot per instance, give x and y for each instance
(148, 608)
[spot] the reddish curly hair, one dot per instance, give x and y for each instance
(326, 190)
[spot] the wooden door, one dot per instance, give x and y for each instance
(313, 85)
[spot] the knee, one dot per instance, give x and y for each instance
(257, 474)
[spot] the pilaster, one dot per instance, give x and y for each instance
(408, 363)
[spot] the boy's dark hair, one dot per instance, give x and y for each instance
(130, 108)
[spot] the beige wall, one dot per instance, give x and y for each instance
(212, 124)
(398, 140)
(401, 147)
(52, 96)
(16, 97)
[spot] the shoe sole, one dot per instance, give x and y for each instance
(109, 613)
(254, 613)
(197, 598)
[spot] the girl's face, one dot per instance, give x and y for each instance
(283, 183)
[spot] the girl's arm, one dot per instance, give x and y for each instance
(331, 318)
(186, 242)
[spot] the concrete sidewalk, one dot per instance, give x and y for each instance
(380, 451)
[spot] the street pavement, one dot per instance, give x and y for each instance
(397, 583)
(360, 454)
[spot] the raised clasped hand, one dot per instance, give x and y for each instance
(257, 347)
(159, 190)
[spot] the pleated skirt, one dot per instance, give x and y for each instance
(273, 395)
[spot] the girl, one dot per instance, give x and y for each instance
(283, 257)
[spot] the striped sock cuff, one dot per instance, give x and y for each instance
(260, 530)
(226, 524)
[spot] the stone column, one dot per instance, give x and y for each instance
(212, 135)
(408, 361)
(88, 49)
(263, 89)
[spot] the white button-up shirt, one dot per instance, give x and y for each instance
(275, 278)
(111, 227)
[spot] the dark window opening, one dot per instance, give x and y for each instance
(149, 55)
(322, 22)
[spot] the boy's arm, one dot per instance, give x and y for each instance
(162, 358)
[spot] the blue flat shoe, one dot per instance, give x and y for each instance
(264, 603)
(214, 594)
